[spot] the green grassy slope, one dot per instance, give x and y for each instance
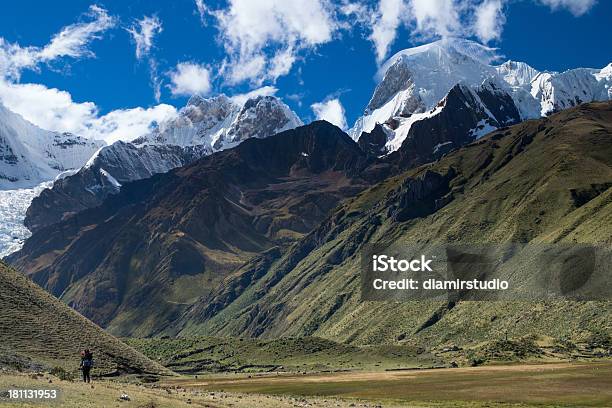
(37, 331)
(213, 354)
(544, 180)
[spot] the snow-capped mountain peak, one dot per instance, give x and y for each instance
(210, 111)
(414, 83)
(517, 73)
(431, 70)
(417, 79)
(557, 91)
(259, 117)
(219, 122)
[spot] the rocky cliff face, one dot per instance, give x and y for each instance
(420, 196)
(465, 114)
(103, 175)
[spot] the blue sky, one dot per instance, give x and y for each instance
(91, 80)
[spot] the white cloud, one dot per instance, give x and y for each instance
(332, 111)
(385, 22)
(142, 32)
(295, 98)
(48, 108)
(425, 19)
(358, 11)
(489, 20)
(72, 41)
(202, 10)
(267, 36)
(435, 17)
(156, 81)
(189, 79)
(240, 99)
(576, 7)
(128, 124)
(282, 62)
(243, 70)
(431, 19)
(54, 109)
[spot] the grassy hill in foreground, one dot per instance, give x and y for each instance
(546, 180)
(37, 331)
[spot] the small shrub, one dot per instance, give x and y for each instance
(476, 361)
(564, 345)
(62, 374)
(600, 340)
(512, 349)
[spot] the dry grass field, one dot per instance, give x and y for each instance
(543, 385)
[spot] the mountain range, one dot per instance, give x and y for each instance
(416, 82)
(431, 99)
(235, 220)
(202, 127)
(519, 184)
(176, 234)
(243, 242)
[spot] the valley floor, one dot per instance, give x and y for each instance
(552, 384)
(107, 394)
(581, 384)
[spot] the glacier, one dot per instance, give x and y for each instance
(13, 206)
(31, 158)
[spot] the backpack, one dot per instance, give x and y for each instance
(88, 361)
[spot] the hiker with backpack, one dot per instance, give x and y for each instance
(86, 364)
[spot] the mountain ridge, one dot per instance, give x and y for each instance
(202, 127)
(495, 191)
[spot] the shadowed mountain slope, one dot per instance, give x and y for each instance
(202, 127)
(139, 260)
